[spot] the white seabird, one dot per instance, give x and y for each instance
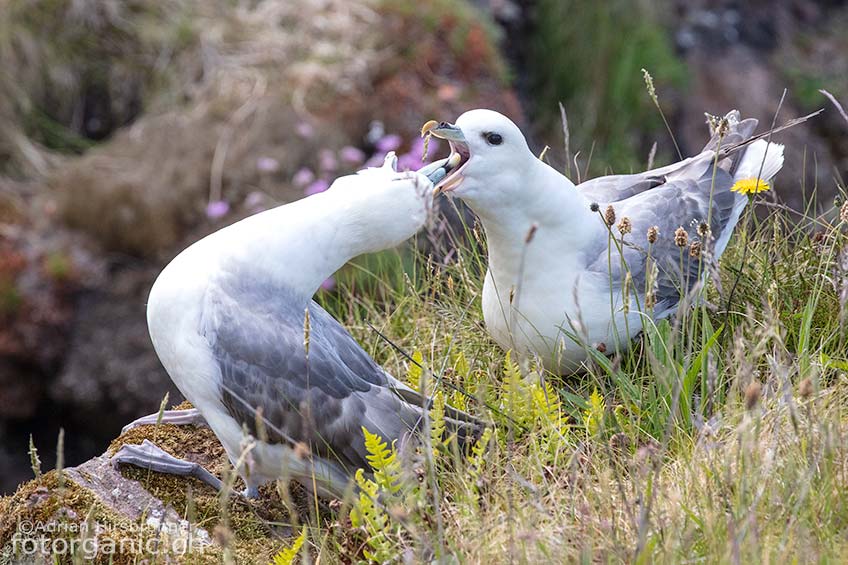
(551, 288)
(227, 320)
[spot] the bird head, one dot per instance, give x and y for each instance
(489, 155)
(388, 205)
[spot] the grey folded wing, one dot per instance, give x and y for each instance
(614, 188)
(691, 197)
(322, 399)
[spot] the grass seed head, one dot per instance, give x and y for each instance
(843, 212)
(752, 394)
(653, 234)
(704, 230)
(594, 207)
(695, 249)
(609, 215)
(805, 389)
(625, 226)
(681, 238)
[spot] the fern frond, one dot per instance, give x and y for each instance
(384, 462)
(437, 423)
(593, 417)
(287, 555)
(413, 374)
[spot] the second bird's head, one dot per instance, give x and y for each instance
(489, 158)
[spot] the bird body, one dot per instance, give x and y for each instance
(228, 319)
(560, 279)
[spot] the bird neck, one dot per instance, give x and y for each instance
(299, 245)
(563, 221)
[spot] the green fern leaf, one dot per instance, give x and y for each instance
(288, 554)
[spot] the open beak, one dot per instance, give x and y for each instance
(443, 130)
(446, 173)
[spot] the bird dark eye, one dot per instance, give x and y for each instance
(493, 138)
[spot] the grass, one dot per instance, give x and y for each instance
(720, 436)
(717, 437)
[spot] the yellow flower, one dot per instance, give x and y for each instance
(750, 186)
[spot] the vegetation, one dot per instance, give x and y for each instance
(588, 56)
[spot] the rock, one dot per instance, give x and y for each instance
(130, 514)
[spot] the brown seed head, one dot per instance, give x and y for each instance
(625, 226)
(594, 207)
(681, 238)
(703, 230)
(695, 249)
(805, 389)
(609, 215)
(653, 234)
(650, 300)
(752, 394)
(843, 212)
(602, 347)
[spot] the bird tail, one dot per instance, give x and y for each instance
(762, 160)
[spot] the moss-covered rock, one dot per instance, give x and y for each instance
(123, 511)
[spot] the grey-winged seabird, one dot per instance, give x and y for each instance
(557, 283)
(233, 322)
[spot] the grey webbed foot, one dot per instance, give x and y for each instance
(149, 456)
(251, 493)
(191, 416)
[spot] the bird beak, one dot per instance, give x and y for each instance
(441, 173)
(443, 130)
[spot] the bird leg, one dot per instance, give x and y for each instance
(148, 456)
(189, 417)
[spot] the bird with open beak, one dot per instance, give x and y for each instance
(555, 287)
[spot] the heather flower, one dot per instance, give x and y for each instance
(327, 160)
(388, 142)
(305, 130)
(328, 284)
(315, 187)
(352, 155)
(303, 177)
(750, 186)
(217, 209)
(254, 201)
(267, 165)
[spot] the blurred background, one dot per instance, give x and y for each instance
(130, 128)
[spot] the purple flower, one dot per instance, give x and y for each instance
(217, 209)
(409, 162)
(328, 284)
(352, 155)
(305, 130)
(255, 201)
(389, 142)
(267, 165)
(328, 161)
(319, 185)
(376, 160)
(303, 177)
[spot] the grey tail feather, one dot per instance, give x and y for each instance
(730, 148)
(740, 130)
